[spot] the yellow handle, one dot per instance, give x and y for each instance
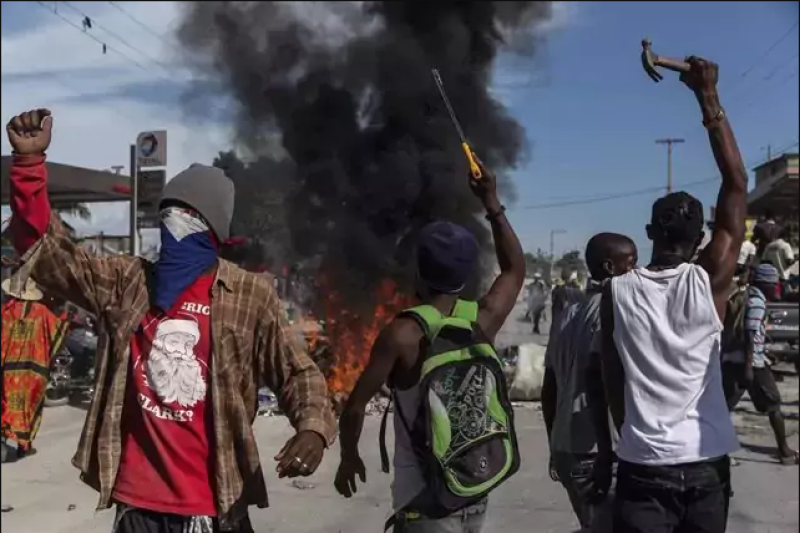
(473, 165)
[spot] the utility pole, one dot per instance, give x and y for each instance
(553, 234)
(134, 250)
(669, 142)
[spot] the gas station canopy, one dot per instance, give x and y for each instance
(67, 184)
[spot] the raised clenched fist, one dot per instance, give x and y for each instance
(29, 132)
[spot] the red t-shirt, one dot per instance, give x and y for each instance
(167, 428)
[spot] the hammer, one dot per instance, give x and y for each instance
(650, 60)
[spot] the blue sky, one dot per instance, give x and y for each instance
(591, 114)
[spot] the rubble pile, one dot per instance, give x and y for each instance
(377, 406)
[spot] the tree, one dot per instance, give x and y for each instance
(538, 262)
(571, 262)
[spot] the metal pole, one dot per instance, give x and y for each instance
(669, 168)
(134, 249)
(553, 234)
(669, 143)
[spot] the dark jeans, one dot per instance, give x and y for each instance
(575, 474)
(686, 498)
(468, 520)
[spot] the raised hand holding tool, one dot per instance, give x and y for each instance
(651, 60)
(473, 165)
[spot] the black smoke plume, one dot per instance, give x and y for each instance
(368, 152)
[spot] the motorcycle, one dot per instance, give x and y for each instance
(72, 369)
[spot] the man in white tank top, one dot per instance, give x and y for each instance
(661, 328)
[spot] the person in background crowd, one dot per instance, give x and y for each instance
(764, 232)
(780, 254)
(447, 255)
(537, 301)
(564, 295)
(747, 369)
(573, 415)
(747, 256)
(661, 368)
(168, 437)
(32, 333)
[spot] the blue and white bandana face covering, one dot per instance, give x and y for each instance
(188, 249)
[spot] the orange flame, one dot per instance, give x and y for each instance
(350, 336)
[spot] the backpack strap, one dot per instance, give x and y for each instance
(466, 309)
(429, 319)
(382, 436)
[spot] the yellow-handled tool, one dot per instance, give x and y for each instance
(473, 165)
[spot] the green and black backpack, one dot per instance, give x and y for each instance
(463, 434)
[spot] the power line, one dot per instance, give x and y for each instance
(106, 46)
(756, 94)
(738, 95)
(142, 25)
(781, 67)
(52, 9)
(769, 50)
(116, 36)
(634, 193)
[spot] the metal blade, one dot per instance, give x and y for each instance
(438, 79)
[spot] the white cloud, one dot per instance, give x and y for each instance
(59, 67)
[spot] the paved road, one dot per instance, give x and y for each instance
(48, 498)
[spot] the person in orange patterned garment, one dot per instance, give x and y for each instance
(31, 335)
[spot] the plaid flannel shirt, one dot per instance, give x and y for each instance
(253, 346)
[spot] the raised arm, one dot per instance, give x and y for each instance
(720, 256)
(502, 296)
(48, 254)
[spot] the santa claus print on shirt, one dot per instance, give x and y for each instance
(171, 368)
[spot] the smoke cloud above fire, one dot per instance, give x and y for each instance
(368, 151)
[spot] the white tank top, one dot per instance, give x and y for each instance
(667, 332)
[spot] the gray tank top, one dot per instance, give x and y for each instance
(408, 479)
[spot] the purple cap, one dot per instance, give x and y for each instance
(446, 256)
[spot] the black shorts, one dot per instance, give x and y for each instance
(763, 390)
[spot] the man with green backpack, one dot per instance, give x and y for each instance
(453, 421)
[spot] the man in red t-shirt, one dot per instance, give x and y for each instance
(185, 344)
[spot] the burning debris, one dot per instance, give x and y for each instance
(367, 154)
